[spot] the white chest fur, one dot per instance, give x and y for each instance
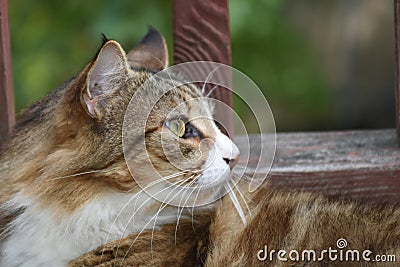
(39, 239)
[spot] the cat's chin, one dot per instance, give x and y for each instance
(217, 188)
(215, 179)
(202, 194)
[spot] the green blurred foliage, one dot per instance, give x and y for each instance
(53, 40)
(269, 50)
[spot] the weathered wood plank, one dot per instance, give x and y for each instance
(201, 33)
(361, 165)
(345, 150)
(7, 113)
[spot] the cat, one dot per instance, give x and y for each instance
(65, 187)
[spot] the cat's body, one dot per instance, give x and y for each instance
(280, 221)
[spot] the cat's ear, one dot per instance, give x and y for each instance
(109, 68)
(151, 53)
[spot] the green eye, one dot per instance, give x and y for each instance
(177, 126)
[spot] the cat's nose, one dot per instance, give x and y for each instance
(231, 162)
(228, 151)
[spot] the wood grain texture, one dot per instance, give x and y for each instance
(201, 33)
(360, 165)
(7, 113)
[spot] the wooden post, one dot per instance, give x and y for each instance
(201, 32)
(7, 113)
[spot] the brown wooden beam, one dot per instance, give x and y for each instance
(201, 33)
(7, 113)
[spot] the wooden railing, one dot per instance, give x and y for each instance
(362, 165)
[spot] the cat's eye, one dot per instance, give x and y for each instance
(177, 126)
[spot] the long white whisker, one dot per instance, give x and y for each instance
(184, 204)
(194, 204)
(152, 233)
(203, 88)
(155, 221)
(244, 201)
(156, 58)
(144, 227)
(212, 90)
(130, 219)
(137, 210)
(166, 70)
(81, 173)
(165, 178)
(272, 172)
(236, 203)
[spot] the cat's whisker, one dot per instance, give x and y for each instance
(157, 59)
(194, 177)
(165, 178)
(154, 216)
(236, 203)
(162, 179)
(169, 75)
(244, 201)
(212, 90)
(130, 219)
(182, 182)
(194, 204)
(203, 88)
(283, 173)
(161, 208)
(152, 233)
(155, 220)
(243, 175)
(177, 183)
(81, 173)
(167, 71)
(271, 171)
(179, 213)
(244, 197)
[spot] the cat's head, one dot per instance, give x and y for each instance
(81, 150)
